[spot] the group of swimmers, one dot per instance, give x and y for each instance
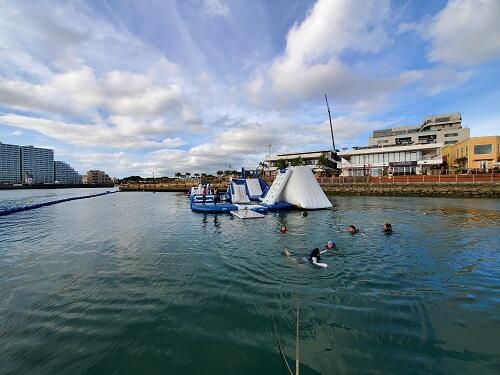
(387, 229)
(315, 255)
(351, 229)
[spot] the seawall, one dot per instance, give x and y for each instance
(335, 187)
(458, 190)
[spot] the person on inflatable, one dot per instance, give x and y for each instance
(204, 193)
(216, 195)
(283, 229)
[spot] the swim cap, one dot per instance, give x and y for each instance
(330, 243)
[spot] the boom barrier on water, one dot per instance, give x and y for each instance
(13, 210)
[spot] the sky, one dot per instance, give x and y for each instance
(143, 87)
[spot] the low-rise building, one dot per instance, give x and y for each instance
(391, 160)
(446, 129)
(325, 160)
(476, 153)
(65, 174)
(97, 177)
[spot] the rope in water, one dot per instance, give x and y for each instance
(13, 210)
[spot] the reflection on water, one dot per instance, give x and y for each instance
(137, 283)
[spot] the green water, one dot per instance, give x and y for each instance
(135, 283)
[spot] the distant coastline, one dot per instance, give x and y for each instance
(52, 186)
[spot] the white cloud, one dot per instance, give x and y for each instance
(465, 32)
(312, 62)
(213, 8)
(89, 135)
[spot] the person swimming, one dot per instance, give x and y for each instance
(283, 229)
(387, 228)
(352, 229)
(315, 255)
(329, 246)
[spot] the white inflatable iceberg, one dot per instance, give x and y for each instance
(299, 187)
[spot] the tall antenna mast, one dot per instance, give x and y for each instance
(331, 127)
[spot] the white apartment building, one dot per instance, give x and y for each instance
(10, 164)
(37, 165)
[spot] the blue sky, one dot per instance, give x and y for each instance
(200, 85)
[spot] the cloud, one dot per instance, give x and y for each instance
(89, 135)
(78, 91)
(131, 105)
(465, 32)
(214, 8)
(312, 63)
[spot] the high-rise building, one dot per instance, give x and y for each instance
(10, 164)
(37, 165)
(65, 174)
(445, 129)
(96, 177)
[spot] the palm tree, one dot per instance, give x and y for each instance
(196, 175)
(297, 161)
(188, 174)
(281, 164)
(178, 174)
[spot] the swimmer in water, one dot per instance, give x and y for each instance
(315, 256)
(283, 229)
(329, 246)
(387, 228)
(352, 229)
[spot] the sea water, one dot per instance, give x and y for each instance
(136, 283)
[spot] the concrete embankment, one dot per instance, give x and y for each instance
(460, 190)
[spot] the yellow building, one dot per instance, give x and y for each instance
(481, 152)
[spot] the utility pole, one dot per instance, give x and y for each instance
(331, 127)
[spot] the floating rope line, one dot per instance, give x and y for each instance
(283, 358)
(297, 344)
(13, 210)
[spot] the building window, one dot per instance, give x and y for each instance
(451, 135)
(482, 149)
(450, 142)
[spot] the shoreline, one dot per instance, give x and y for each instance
(443, 189)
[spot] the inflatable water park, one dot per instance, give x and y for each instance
(250, 196)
